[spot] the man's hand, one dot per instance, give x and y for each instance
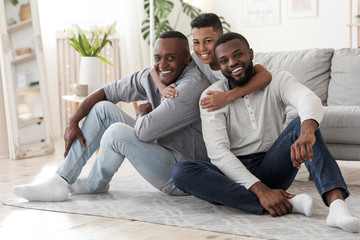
(275, 201)
(214, 100)
(301, 150)
(72, 132)
(143, 109)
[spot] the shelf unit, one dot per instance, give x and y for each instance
(19, 26)
(26, 91)
(24, 80)
(24, 58)
(353, 25)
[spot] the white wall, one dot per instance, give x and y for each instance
(328, 29)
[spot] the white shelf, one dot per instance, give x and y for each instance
(24, 58)
(19, 26)
(31, 121)
(26, 91)
(354, 25)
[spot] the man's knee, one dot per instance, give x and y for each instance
(182, 170)
(177, 172)
(103, 106)
(116, 133)
(119, 130)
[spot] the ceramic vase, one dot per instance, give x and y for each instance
(90, 73)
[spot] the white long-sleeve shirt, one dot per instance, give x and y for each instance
(251, 124)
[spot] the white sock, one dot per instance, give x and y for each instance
(340, 217)
(53, 190)
(80, 187)
(302, 203)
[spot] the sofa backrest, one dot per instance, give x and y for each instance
(344, 86)
(310, 66)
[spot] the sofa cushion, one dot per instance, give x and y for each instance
(341, 124)
(344, 86)
(310, 66)
(349, 152)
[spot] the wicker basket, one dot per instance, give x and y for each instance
(23, 51)
(25, 12)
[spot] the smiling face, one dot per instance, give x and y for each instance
(235, 60)
(171, 57)
(204, 40)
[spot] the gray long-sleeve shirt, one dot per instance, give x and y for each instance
(174, 123)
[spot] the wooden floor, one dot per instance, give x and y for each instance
(17, 223)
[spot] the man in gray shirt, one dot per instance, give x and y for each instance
(165, 131)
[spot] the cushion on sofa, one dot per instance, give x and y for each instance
(310, 66)
(341, 124)
(344, 86)
(349, 152)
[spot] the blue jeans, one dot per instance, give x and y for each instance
(111, 129)
(274, 168)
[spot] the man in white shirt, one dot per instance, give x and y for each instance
(253, 161)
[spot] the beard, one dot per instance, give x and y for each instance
(242, 81)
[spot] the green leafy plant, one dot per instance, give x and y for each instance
(162, 10)
(14, 2)
(92, 45)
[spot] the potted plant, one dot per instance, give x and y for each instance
(89, 46)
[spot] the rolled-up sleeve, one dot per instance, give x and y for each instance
(128, 89)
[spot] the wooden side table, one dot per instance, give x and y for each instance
(75, 100)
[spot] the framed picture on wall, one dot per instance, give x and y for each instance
(258, 13)
(302, 8)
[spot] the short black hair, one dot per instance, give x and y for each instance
(207, 20)
(173, 34)
(231, 36)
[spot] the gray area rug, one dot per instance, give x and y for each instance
(133, 198)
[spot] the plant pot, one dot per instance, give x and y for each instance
(90, 73)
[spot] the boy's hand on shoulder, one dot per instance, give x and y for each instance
(169, 91)
(214, 100)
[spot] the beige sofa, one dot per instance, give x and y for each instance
(334, 75)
